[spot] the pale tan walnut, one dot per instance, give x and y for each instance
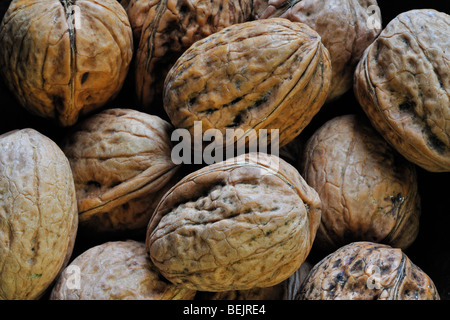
(116, 270)
(38, 214)
(346, 27)
(403, 84)
(168, 29)
(63, 59)
(121, 163)
(263, 74)
(368, 191)
(246, 222)
(285, 290)
(367, 271)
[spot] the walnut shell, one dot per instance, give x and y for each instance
(115, 270)
(168, 29)
(38, 214)
(285, 290)
(246, 222)
(368, 191)
(367, 271)
(121, 163)
(73, 57)
(346, 27)
(264, 74)
(403, 84)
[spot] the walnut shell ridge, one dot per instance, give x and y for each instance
(262, 74)
(367, 271)
(38, 214)
(369, 192)
(402, 83)
(64, 59)
(167, 29)
(346, 28)
(121, 164)
(115, 270)
(246, 222)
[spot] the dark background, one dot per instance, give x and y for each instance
(430, 251)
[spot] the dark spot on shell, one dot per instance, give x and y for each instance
(93, 184)
(84, 77)
(407, 105)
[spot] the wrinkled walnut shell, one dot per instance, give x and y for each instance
(368, 191)
(63, 59)
(403, 84)
(168, 29)
(367, 271)
(38, 214)
(121, 163)
(264, 74)
(246, 222)
(285, 290)
(116, 270)
(346, 27)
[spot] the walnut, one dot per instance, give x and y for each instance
(115, 270)
(167, 30)
(285, 290)
(121, 163)
(346, 28)
(72, 58)
(403, 84)
(264, 74)
(368, 191)
(246, 222)
(38, 214)
(367, 271)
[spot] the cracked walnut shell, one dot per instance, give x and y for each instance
(121, 164)
(403, 84)
(367, 271)
(38, 214)
(368, 191)
(346, 28)
(263, 74)
(246, 222)
(115, 270)
(65, 58)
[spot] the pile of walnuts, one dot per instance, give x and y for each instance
(94, 205)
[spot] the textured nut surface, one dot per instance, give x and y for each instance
(169, 28)
(66, 65)
(344, 26)
(115, 270)
(367, 271)
(121, 163)
(285, 290)
(246, 222)
(38, 213)
(403, 84)
(264, 74)
(368, 191)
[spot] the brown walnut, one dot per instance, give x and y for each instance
(403, 84)
(38, 214)
(115, 270)
(285, 290)
(246, 222)
(65, 58)
(368, 191)
(168, 28)
(121, 163)
(346, 27)
(367, 271)
(263, 74)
